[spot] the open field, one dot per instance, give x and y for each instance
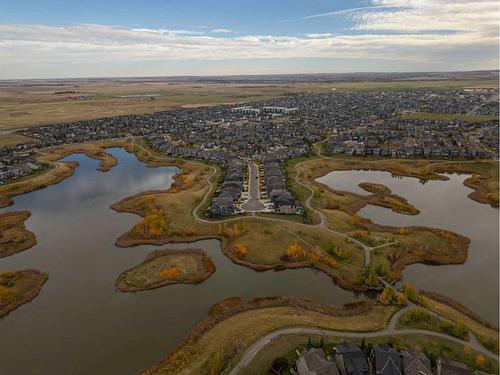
(161, 268)
(18, 288)
(286, 346)
(14, 237)
(447, 117)
(218, 342)
(33, 104)
(12, 139)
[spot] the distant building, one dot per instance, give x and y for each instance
(246, 110)
(280, 110)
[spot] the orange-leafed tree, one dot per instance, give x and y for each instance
(236, 230)
(404, 231)
(170, 273)
(354, 219)
(241, 250)
(295, 251)
(480, 359)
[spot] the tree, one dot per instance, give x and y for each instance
(309, 344)
(387, 296)
(170, 273)
(322, 343)
(241, 250)
(467, 350)
(363, 345)
(355, 220)
(480, 359)
(279, 365)
(236, 230)
(403, 231)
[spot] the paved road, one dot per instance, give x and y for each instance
(390, 331)
(323, 224)
(253, 204)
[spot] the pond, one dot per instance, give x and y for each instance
(79, 324)
(442, 204)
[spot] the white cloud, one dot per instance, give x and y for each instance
(348, 11)
(451, 33)
(222, 31)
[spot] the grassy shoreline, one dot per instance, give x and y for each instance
(188, 266)
(14, 237)
(18, 288)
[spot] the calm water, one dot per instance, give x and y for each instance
(443, 204)
(79, 324)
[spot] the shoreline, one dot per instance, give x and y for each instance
(15, 229)
(39, 280)
(122, 286)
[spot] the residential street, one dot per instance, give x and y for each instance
(253, 203)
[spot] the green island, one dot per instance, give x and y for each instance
(14, 237)
(18, 288)
(167, 267)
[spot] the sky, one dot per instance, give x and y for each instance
(132, 38)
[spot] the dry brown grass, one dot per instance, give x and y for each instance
(14, 237)
(31, 105)
(482, 332)
(12, 139)
(191, 266)
(227, 340)
(18, 288)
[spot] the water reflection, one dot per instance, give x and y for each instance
(442, 204)
(79, 324)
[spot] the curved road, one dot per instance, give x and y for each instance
(367, 249)
(389, 331)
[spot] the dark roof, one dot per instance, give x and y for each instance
(387, 360)
(416, 363)
(450, 367)
(354, 359)
(316, 361)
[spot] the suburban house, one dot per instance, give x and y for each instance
(385, 360)
(350, 359)
(416, 363)
(275, 187)
(447, 366)
(314, 362)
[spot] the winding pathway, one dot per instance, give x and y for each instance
(391, 330)
(322, 224)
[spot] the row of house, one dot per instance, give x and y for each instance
(227, 201)
(382, 359)
(219, 133)
(16, 162)
(275, 187)
(427, 139)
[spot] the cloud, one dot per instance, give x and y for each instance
(222, 31)
(347, 11)
(456, 34)
(319, 35)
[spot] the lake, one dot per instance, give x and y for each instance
(79, 324)
(442, 204)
